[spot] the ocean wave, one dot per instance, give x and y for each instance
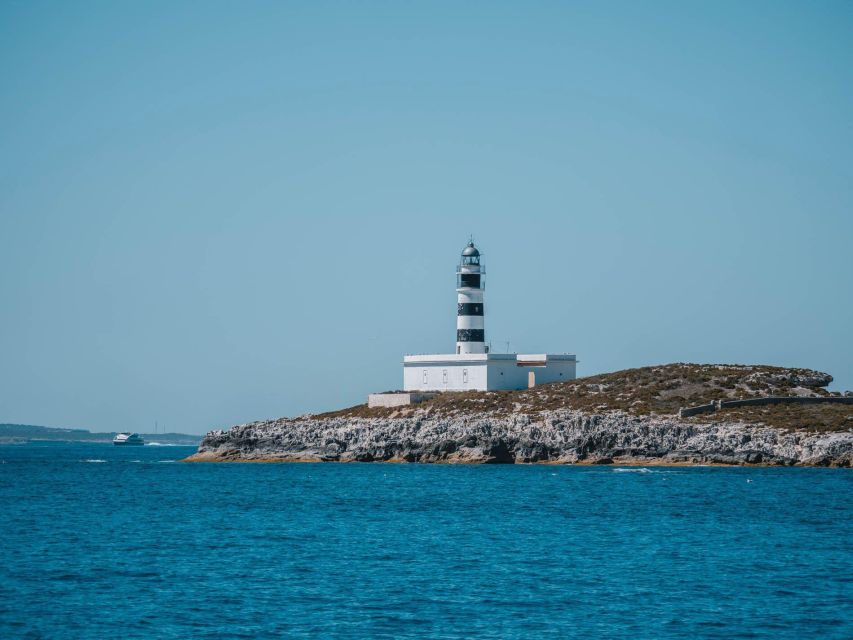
(644, 470)
(93, 460)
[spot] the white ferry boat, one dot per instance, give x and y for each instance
(128, 439)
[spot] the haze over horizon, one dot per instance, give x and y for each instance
(213, 214)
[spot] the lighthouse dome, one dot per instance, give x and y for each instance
(470, 250)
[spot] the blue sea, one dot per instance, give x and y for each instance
(105, 542)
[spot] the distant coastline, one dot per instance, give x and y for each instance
(22, 433)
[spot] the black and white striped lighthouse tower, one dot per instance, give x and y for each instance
(470, 283)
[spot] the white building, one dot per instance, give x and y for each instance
(472, 367)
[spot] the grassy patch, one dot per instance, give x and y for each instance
(821, 418)
(661, 389)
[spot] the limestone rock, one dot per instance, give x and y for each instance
(559, 436)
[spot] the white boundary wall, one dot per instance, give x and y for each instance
(484, 371)
(397, 399)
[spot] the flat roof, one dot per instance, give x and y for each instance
(484, 358)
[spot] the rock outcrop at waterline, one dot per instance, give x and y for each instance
(627, 417)
(565, 436)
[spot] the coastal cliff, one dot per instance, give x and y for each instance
(627, 417)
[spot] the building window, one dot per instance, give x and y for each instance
(425, 376)
(458, 349)
(464, 376)
(444, 376)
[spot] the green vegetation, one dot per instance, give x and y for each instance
(659, 390)
(812, 418)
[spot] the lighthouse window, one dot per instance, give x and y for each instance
(425, 376)
(444, 376)
(464, 376)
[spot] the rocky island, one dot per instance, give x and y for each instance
(670, 414)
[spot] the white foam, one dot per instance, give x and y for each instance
(93, 460)
(644, 470)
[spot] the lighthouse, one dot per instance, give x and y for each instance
(470, 284)
(473, 366)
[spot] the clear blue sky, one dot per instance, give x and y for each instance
(212, 213)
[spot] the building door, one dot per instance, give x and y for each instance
(531, 379)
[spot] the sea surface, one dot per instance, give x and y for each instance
(105, 542)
